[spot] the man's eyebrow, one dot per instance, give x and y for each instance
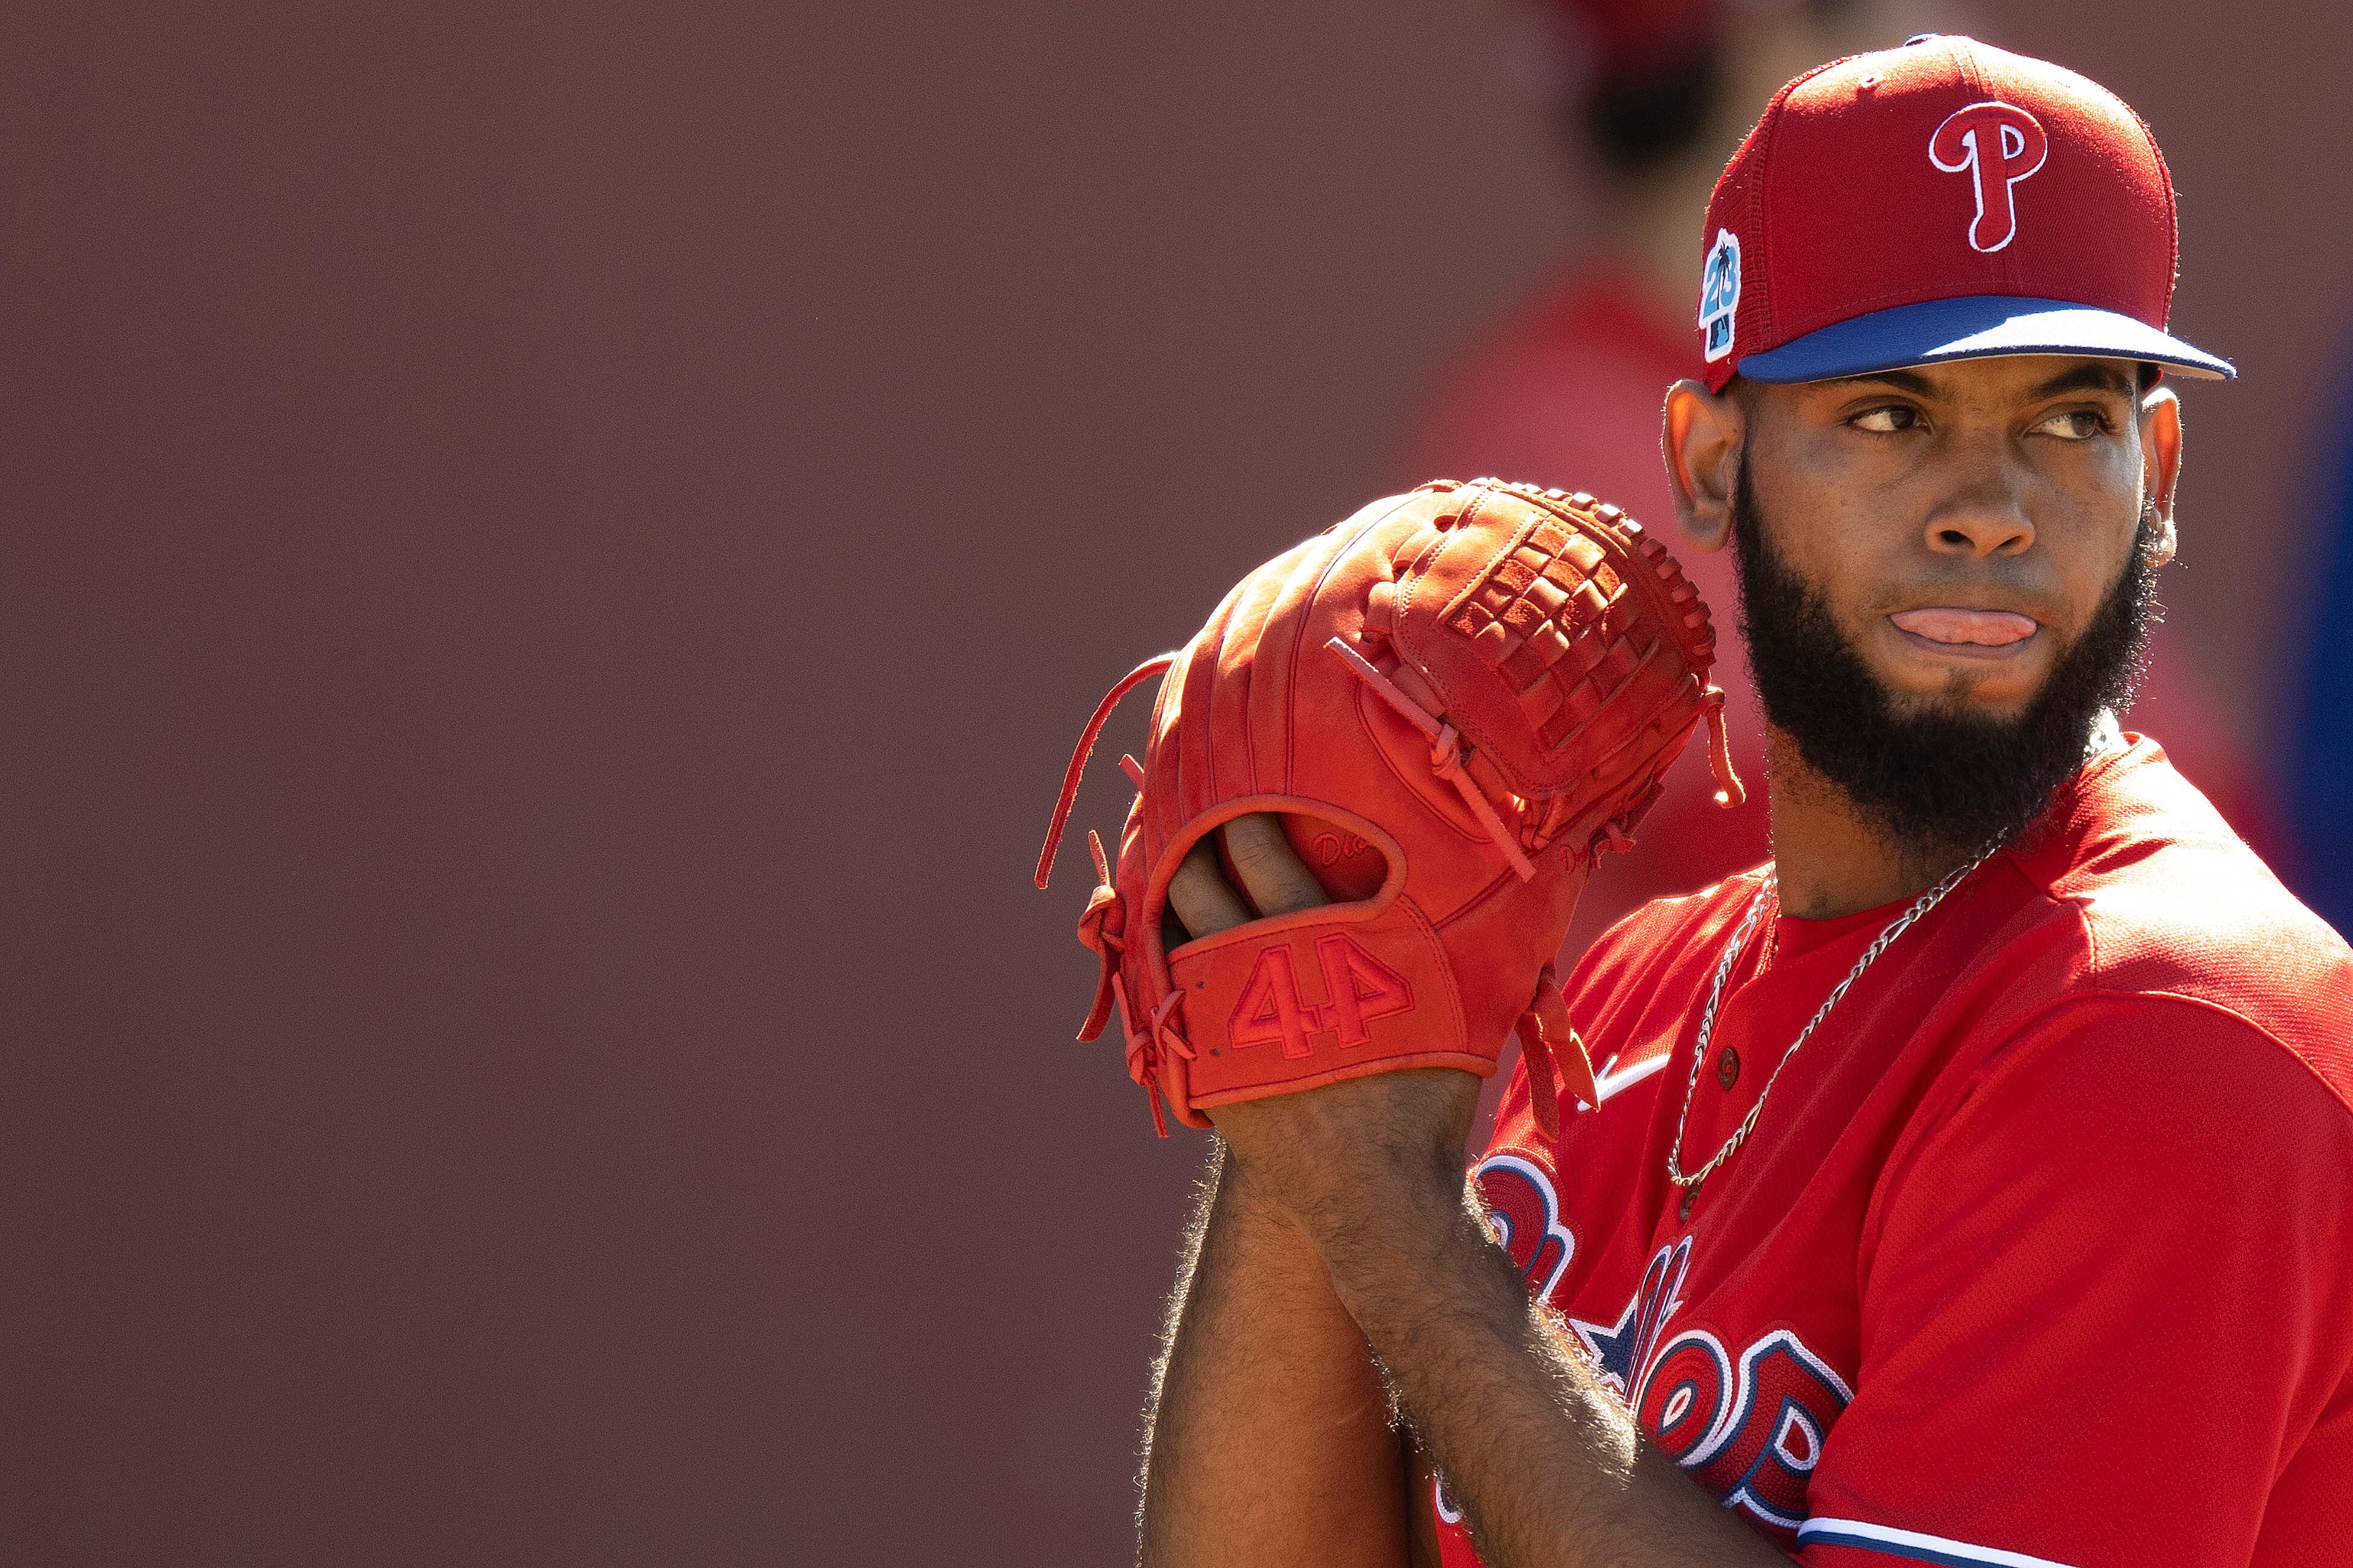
(2093, 375)
(1909, 380)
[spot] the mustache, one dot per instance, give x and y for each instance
(1965, 592)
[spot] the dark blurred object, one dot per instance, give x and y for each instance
(2319, 753)
(1636, 119)
(1635, 80)
(1638, 81)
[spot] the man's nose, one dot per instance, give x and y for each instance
(1985, 517)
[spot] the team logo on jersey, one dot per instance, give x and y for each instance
(1997, 145)
(1620, 1349)
(1523, 1216)
(1751, 1431)
(1719, 294)
(1360, 991)
(1749, 1428)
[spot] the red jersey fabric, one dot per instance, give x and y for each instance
(2038, 1253)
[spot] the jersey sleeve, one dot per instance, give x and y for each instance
(2106, 1311)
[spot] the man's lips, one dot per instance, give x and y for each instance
(1973, 628)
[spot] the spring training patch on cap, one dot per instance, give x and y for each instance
(1719, 293)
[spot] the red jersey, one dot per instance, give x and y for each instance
(2038, 1253)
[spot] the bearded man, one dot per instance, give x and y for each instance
(1967, 1184)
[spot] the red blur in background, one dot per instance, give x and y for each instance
(555, 555)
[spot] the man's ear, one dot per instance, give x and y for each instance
(2160, 464)
(1701, 439)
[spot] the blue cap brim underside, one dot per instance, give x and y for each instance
(1976, 326)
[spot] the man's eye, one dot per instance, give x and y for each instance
(2075, 424)
(1887, 420)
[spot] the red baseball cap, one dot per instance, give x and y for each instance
(1944, 200)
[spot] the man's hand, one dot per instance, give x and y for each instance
(1269, 1441)
(1327, 1157)
(1341, 1233)
(1547, 1460)
(1277, 880)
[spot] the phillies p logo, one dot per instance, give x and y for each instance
(1997, 145)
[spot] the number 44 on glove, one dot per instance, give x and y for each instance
(1455, 701)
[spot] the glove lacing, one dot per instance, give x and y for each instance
(1445, 755)
(1158, 664)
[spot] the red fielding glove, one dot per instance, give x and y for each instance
(1456, 700)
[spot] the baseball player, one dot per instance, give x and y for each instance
(1966, 1183)
(1563, 386)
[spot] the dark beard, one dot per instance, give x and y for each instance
(1939, 784)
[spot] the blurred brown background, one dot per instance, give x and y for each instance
(556, 554)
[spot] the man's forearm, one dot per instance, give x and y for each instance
(1543, 1459)
(1270, 1440)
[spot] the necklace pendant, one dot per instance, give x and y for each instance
(1682, 1210)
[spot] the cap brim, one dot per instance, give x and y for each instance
(1976, 326)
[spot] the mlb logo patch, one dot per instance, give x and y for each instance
(1719, 294)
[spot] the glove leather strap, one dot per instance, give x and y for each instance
(1303, 1000)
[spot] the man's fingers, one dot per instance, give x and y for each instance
(1278, 879)
(1198, 894)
